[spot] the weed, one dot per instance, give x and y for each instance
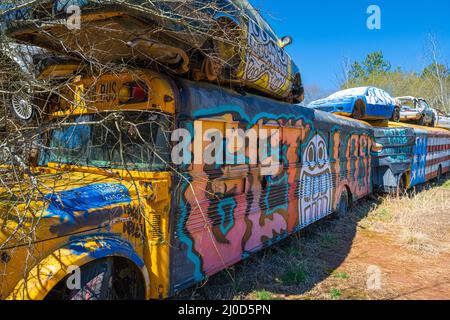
(335, 294)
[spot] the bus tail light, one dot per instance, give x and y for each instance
(133, 92)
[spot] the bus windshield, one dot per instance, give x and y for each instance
(129, 140)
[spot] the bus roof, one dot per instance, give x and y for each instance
(201, 100)
(414, 126)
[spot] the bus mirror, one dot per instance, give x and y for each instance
(285, 41)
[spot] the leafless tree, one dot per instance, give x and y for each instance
(437, 73)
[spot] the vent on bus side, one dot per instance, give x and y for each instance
(155, 228)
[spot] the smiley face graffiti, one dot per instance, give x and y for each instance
(315, 184)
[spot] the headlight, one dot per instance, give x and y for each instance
(377, 147)
(5, 257)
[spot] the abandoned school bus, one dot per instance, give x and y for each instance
(142, 192)
(407, 155)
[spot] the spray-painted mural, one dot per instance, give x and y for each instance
(275, 66)
(226, 212)
(316, 185)
(393, 157)
(416, 154)
(438, 154)
(178, 226)
(419, 164)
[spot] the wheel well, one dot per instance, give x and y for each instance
(361, 104)
(396, 109)
(406, 177)
(350, 196)
(403, 182)
(122, 267)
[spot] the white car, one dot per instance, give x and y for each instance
(416, 110)
(443, 120)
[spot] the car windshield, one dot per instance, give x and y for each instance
(408, 103)
(131, 140)
(349, 93)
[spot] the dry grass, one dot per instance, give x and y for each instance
(420, 219)
(407, 238)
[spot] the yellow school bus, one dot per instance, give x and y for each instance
(144, 185)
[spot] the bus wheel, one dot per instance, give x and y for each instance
(104, 279)
(401, 187)
(343, 207)
(359, 110)
(439, 174)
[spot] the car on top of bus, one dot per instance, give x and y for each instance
(364, 103)
(225, 41)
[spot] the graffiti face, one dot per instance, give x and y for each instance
(315, 184)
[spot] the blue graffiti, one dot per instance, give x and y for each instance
(62, 5)
(226, 208)
(276, 195)
(108, 245)
(418, 168)
(201, 113)
(184, 238)
(96, 196)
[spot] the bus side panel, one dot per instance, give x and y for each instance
(438, 154)
(351, 163)
(419, 164)
(223, 213)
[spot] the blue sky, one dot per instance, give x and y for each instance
(326, 31)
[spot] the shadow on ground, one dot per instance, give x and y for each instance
(293, 266)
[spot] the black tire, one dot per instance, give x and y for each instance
(421, 121)
(396, 115)
(433, 122)
(439, 174)
(96, 282)
(343, 207)
(298, 91)
(359, 110)
(401, 186)
(103, 279)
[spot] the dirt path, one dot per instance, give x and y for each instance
(390, 248)
(406, 273)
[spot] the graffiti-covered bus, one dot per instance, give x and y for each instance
(407, 155)
(145, 185)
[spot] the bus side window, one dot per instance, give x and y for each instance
(342, 150)
(236, 143)
(362, 147)
(292, 138)
(209, 143)
(330, 149)
(273, 133)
